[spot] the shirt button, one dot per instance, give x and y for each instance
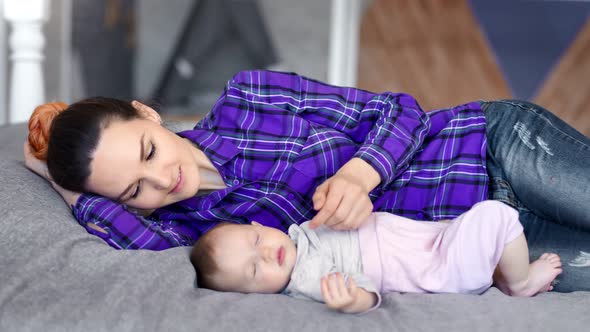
(236, 181)
(420, 215)
(290, 196)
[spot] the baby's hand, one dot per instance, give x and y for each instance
(337, 294)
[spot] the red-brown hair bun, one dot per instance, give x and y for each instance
(39, 126)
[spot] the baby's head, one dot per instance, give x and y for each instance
(244, 258)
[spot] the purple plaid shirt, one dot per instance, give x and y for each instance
(274, 137)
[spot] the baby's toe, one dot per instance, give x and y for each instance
(553, 258)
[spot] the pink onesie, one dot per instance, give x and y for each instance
(402, 255)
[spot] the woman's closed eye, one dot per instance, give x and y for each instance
(152, 152)
(149, 157)
(137, 190)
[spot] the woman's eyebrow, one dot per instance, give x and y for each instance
(141, 156)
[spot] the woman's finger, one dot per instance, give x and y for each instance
(351, 206)
(329, 207)
(319, 197)
(340, 213)
(357, 216)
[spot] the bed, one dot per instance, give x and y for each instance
(54, 276)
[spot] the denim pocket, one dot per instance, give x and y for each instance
(500, 190)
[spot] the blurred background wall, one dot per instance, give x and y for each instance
(180, 53)
(127, 57)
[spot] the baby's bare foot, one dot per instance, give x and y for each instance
(541, 273)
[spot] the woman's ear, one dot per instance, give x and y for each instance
(256, 223)
(147, 112)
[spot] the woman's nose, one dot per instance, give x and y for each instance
(160, 180)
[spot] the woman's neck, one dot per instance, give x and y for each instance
(210, 177)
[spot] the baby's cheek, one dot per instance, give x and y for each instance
(273, 284)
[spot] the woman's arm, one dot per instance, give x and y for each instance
(389, 128)
(122, 228)
(40, 167)
(113, 222)
(343, 200)
(69, 197)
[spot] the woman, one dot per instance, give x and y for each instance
(279, 149)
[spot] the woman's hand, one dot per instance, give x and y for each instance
(40, 167)
(36, 165)
(343, 201)
(345, 298)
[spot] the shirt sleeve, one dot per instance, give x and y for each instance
(389, 127)
(365, 283)
(128, 230)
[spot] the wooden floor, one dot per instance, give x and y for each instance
(567, 90)
(437, 52)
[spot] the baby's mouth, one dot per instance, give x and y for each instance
(281, 255)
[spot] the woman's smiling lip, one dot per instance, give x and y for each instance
(179, 183)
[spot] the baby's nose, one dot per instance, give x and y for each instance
(267, 254)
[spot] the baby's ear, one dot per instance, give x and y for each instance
(256, 223)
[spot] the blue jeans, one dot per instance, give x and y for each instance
(541, 166)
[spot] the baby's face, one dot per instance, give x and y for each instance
(254, 258)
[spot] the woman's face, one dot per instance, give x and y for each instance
(142, 164)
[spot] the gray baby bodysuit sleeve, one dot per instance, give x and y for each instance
(321, 252)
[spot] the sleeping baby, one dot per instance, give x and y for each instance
(349, 270)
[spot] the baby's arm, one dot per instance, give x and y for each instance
(347, 299)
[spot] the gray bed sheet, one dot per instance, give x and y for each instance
(54, 276)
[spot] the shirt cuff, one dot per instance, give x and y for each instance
(380, 160)
(83, 207)
(376, 304)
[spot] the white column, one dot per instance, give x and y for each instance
(3, 74)
(26, 90)
(344, 42)
(65, 63)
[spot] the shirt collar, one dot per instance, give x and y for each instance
(219, 149)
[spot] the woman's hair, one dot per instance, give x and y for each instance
(202, 258)
(66, 136)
